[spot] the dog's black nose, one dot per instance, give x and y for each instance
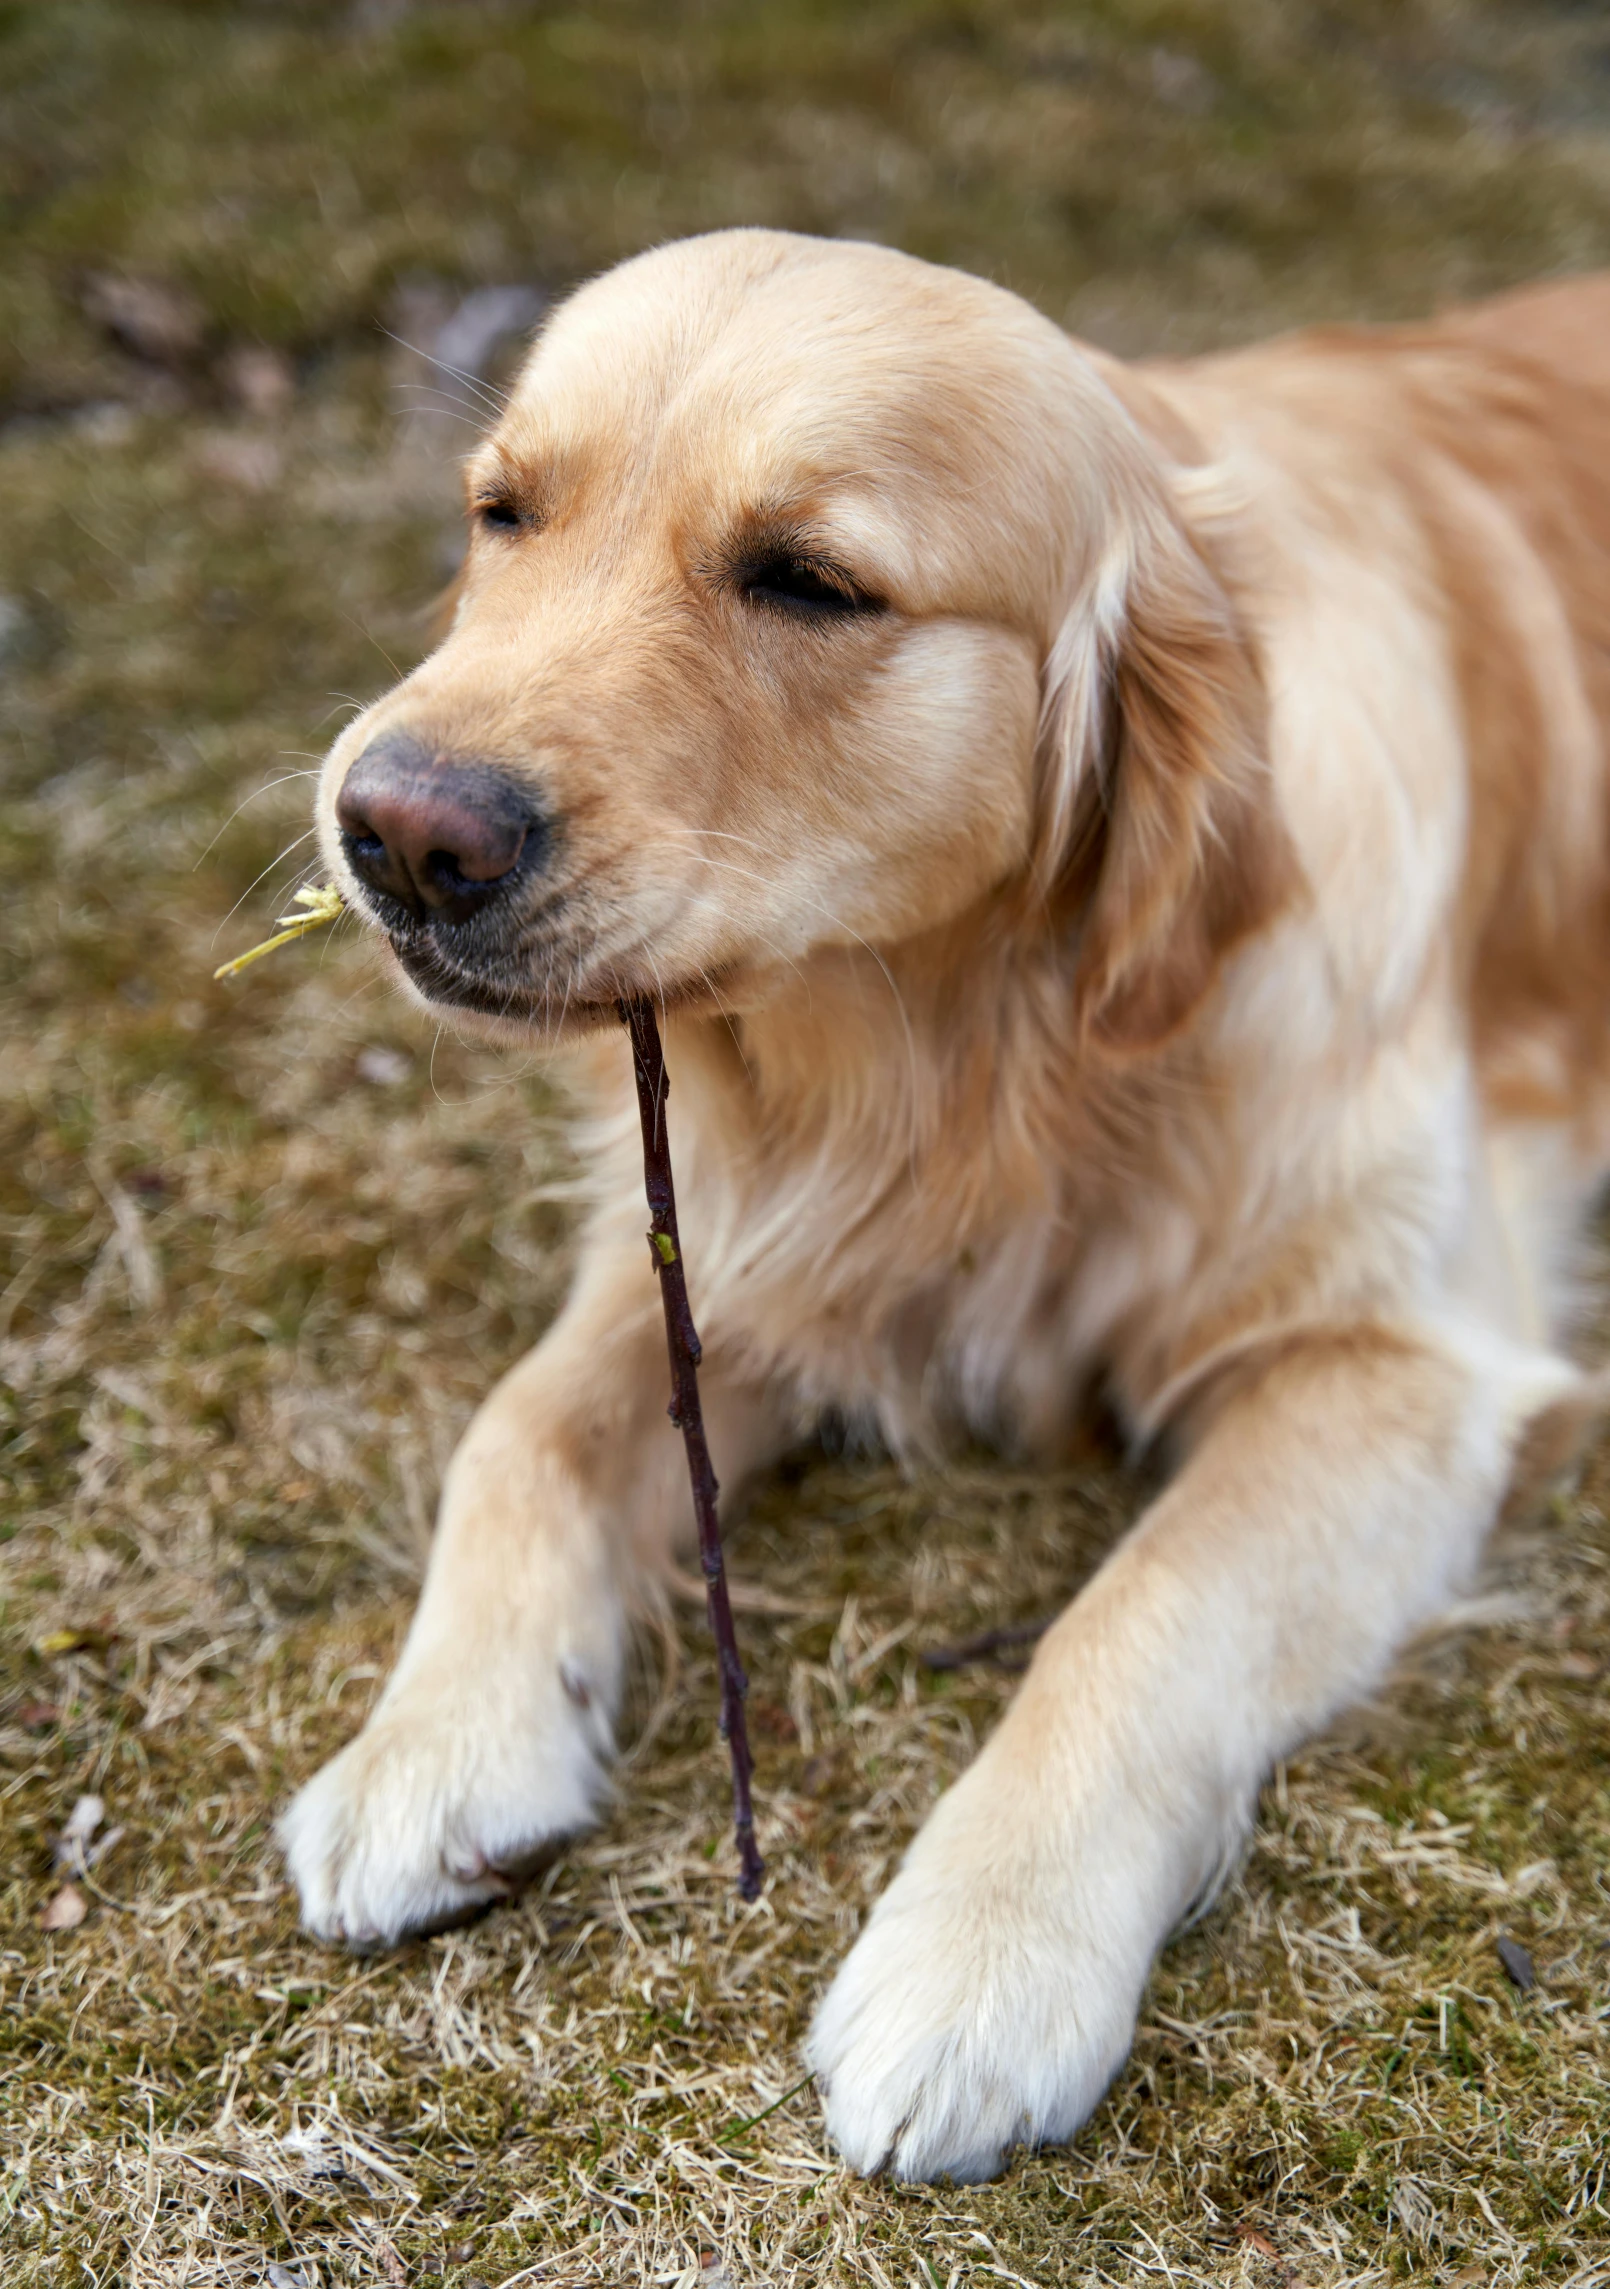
(437, 835)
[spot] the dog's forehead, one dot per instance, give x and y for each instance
(771, 355)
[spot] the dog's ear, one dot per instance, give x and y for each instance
(1161, 840)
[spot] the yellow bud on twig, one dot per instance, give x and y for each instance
(319, 905)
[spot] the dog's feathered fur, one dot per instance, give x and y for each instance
(1165, 942)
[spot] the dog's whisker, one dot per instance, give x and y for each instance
(370, 637)
(443, 401)
(262, 876)
(284, 780)
(495, 400)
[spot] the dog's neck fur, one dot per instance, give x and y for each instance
(925, 1110)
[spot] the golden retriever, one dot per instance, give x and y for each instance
(1122, 853)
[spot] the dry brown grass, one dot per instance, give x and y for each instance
(266, 1244)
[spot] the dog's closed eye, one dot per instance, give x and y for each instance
(500, 514)
(808, 587)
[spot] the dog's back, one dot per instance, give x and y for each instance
(1513, 397)
(1561, 328)
(1476, 449)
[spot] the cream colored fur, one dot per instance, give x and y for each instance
(1136, 952)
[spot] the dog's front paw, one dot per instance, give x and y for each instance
(445, 1800)
(984, 2007)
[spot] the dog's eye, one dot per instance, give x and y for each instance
(502, 516)
(797, 584)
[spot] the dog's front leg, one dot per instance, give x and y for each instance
(1330, 1508)
(491, 1741)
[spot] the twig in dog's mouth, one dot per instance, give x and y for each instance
(325, 904)
(682, 1341)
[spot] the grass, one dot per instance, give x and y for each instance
(266, 1244)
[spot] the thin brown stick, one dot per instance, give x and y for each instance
(989, 1645)
(682, 1341)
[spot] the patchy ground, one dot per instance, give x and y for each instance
(265, 1244)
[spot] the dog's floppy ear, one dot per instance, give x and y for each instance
(1161, 840)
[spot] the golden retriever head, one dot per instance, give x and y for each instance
(814, 596)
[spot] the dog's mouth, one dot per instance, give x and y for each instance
(551, 1002)
(537, 985)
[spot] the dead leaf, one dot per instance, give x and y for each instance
(66, 1911)
(86, 1816)
(61, 1641)
(92, 1637)
(82, 1822)
(1522, 1972)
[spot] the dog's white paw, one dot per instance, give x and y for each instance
(987, 2004)
(445, 1800)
